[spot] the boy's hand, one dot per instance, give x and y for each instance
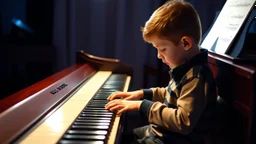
(135, 95)
(123, 105)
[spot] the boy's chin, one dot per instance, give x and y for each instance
(168, 65)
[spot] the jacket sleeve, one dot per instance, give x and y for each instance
(155, 94)
(190, 106)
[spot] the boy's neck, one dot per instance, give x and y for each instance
(192, 52)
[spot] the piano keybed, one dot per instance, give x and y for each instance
(93, 124)
(83, 118)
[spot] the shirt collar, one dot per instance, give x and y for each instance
(178, 72)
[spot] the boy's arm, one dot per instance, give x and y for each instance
(155, 94)
(191, 105)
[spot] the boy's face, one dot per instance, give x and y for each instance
(171, 54)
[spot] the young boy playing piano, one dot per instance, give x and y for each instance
(182, 111)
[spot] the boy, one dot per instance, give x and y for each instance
(181, 112)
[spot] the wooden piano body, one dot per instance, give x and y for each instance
(236, 85)
(43, 112)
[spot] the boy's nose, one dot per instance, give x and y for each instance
(159, 55)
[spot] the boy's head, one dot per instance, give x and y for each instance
(175, 24)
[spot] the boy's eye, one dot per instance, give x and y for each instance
(162, 49)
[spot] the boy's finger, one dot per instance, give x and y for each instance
(116, 108)
(110, 97)
(128, 98)
(121, 111)
(110, 104)
(116, 94)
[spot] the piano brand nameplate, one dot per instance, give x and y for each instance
(54, 91)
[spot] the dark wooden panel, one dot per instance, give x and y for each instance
(236, 83)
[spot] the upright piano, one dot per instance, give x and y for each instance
(67, 107)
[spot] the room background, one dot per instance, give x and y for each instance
(55, 29)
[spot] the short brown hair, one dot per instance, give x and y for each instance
(173, 20)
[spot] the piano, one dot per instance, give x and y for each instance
(67, 107)
(236, 86)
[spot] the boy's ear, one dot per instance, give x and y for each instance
(187, 42)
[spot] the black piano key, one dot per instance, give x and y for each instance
(99, 101)
(103, 97)
(93, 108)
(96, 105)
(93, 121)
(100, 98)
(84, 137)
(97, 112)
(90, 124)
(94, 118)
(103, 93)
(89, 132)
(106, 91)
(95, 115)
(117, 77)
(114, 89)
(80, 142)
(114, 83)
(100, 95)
(90, 127)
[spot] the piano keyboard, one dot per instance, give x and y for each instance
(83, 119)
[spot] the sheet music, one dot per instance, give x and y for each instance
(227, 25)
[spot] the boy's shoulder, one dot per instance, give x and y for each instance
(195, 67)
(198, 71)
